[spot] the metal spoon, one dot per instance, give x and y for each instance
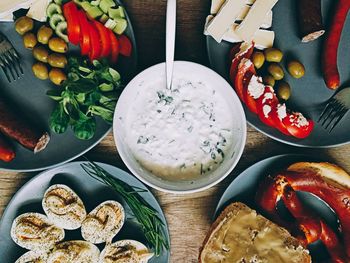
(170, 40)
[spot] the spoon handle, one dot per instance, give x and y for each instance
(170, 40)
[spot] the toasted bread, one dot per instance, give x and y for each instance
(329, 172)
(239, 234)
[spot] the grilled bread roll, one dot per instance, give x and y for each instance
(74, 251)
(35, 232)
(63, 207)
(239, 234)
(130, 251)
(33, 257)
(103, 223)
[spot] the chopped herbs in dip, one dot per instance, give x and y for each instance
(182, 133)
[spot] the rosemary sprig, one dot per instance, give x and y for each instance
(147, 216)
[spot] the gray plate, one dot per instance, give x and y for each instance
(244, 187)
(92, 192)
(309, 93)
(29, 95)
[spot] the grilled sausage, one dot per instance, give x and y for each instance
(7, 154)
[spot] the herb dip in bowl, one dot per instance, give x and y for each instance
(184, 139)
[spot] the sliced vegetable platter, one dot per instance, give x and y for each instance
(309, 94)
(35, 99)
(92, 192)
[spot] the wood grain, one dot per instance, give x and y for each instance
(189, 216)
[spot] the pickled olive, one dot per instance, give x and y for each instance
(44, 34)
(276, 71)
(58, 45)
(57, 76)
(24, 24)
(258, 59)
(29, 40)
(283, 90)
(57, 60)
(296, 69)
(273, 55)
(269, 80)
(41, 53)
(40, 70)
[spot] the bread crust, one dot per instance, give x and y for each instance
(237, 206)
(331, 172)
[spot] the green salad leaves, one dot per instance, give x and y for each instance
(89, 91)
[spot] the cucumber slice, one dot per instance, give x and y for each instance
(95, 2)
(84, 5)
(106, 4)
(104, 18)
(55, 19)
(116, 12)
(61, 30)
(121, 26)
(94, 11)
(59, 2)
(52, 9)
(81, 2)
(111, 24)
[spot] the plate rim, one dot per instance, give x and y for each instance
(43, 173)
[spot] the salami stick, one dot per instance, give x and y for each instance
(310, 20)
(7, 154)
(19, 129)
(330, 48)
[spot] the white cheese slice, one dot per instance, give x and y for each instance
(216, 5)
(266, 23)
(262, 38)
(38, 10)
(6, 17)
(254, 18)
(227, 14)
(7, 7)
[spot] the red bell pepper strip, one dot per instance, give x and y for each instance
(95, 44)
(70, 12)
(125, 46)
(331, 44)
(7, 154)
(114, 47)
(84, 33)
(104, 39)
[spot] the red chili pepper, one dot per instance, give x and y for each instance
(331, 44)
(7, 154)
(104, 39)
(70, 12)
(125, 45)
(114, 47)
(95, 44)
(84, 33)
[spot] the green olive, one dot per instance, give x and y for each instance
(269, 80)
(29, 40)
(41, 53)
(24, 24)
(273, 55)
(283, 91)
(58, 45)
(276, 71)
(258, 59)
(44, 34)
(296, 69)
(40, 70)
(57, 76)
(57, 60)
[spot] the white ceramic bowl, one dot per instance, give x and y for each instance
(181, 69)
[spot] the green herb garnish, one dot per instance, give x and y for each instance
(147, 216)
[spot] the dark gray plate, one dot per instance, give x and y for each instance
(244, 187)
(28, 94)
(309, 93)
(92, 192)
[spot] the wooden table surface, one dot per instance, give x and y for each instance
(189, 216)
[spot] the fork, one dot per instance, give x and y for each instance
(335, 109)
(9, 60)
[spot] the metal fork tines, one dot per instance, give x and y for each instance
(9, 60)
(335, 109)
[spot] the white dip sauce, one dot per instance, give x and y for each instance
(181, 133)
